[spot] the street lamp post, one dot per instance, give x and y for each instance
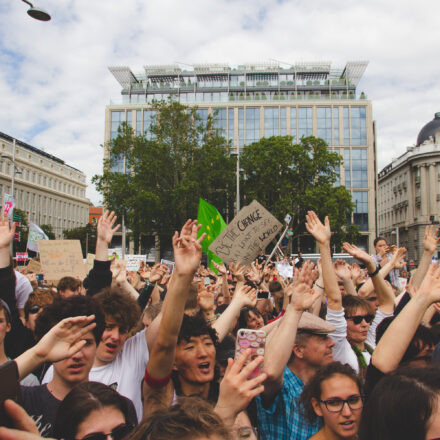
(238, 179)
(36, 12)
(396, 233)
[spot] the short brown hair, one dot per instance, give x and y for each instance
(122, 308)
(39, 297)
(68, 283)
(351, 303)
(191, 418)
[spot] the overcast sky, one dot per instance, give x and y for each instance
(55, 83)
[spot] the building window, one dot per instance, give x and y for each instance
(359, 167)
(337, 171)
(129, 118)
(240, 127)
(231, 125)
(220, 121)
(293, 123)
(305, 122)
(283, 121)
(138, 122)
(116, 120)
(252, 125)
(347, 167)
(358, 126)
(336, 140)
(149, 119)
(346, 126)
(324, 124)
(360, 215)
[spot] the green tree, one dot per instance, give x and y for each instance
(180, 159)
(86, 235)
(48, 230)
(294, 178)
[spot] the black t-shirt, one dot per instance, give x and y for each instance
(42, 406)
(372, 378)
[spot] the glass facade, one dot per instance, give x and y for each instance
(360, 215)
(219, 116)
(305, 122)
(358, 126)
(359, 168)
(116, 120)
(240, 127)
(293, 125)
(324, 124)
(149, 116)
(138, 122)
(252, 125)
(271, 122)
(347, 167)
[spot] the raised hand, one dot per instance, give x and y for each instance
(105, 229)
(236, 389)
(157, 273)
(187, 249)
(205, 297)
(237, 270)
(247, 295)
(302, 296)
(321, 232)
(398, 259)
(221, 268)
(342, 269)
(431, 239)
(430, 287)
(6, 232)
(64, 339)
(254, 274)
(360, 255)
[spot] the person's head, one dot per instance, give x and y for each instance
(379, 244)
(335, 394)
(374, 302)
(264, 306)
(150, 313)
(69, 286)
(121, 315)
(359, 315)
(419, 351)
(76, 368)
(5, 321)
(219, 299)
(251, 318)
(191, 419)
(34, 306)
(92, 408)
(195, 352)
(403, 405)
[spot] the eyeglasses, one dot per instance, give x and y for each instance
(117, 433)
(34, 309)
(337, 405)
(357, 319)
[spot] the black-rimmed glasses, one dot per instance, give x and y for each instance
(336, 405)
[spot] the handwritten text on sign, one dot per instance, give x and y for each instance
(252, 229)
(60, 258)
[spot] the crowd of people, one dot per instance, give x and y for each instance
(336, 351)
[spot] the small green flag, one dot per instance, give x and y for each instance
(212, 224)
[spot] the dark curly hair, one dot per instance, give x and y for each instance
(313, 388)
(120, 307)
(62, 308)
(194, 326)
(81, 401)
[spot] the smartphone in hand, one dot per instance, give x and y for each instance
(254, 340)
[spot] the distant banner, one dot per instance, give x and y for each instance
(252, 229)
(134, 261)
(35, 234)
(9, 206)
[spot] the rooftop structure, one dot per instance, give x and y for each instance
(265, 81)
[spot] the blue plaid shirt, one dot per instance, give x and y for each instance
(284, 419)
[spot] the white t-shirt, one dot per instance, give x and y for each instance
(124, 373)
(23, 288)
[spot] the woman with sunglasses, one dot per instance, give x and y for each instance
(334, 394)
(93, 411)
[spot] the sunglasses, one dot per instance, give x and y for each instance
(34, 309)
(118, 433)
(359, 318)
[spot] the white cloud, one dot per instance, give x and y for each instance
(54, 81)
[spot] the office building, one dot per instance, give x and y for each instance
(409, 192)
(262, 100)
(45, 187)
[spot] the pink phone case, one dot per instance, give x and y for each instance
(256, 341)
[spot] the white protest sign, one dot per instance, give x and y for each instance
(252, 229)
(285, 270)
(134, 261)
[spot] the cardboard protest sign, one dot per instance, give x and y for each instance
(252, 229)
(134, 261)
(169, 264)
(60, 258)
(34, 266)
(285, 270)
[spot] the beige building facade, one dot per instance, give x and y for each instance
(409, 192)
(47, 189)
(254, 101)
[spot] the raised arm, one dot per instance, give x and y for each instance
(223, 275)
(187, 256)
(343, 271)
(430, 242)
(279, 346)
(243, 296)
(322, 234)
(396, 339)
(385, 295)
